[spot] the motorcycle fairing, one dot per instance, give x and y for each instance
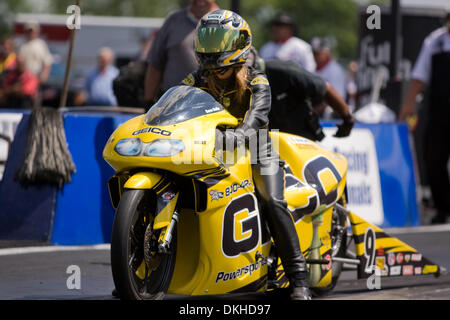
(225, 247)
(310, 207)
(315, 178)
(385, 255)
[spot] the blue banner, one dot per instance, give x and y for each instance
(395, 166)
(81, 212)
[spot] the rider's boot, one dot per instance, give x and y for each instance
(299, 286)
(269, 181)
(288, 247)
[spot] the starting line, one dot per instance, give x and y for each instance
(43, 249)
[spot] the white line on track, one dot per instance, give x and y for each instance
(26, 250)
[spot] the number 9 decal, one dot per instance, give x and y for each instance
(369, 250)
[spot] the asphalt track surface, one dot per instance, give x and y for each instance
(40, 273)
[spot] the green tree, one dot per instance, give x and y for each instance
(7, 9)
(333, 18)
(132, 8)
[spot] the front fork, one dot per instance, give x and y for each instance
(165, 239)
(166, 214)
(167, 194)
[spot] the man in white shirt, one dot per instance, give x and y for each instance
(432, 69)
(35, 53)
(286, 46)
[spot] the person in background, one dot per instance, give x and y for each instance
(35, 53)
(286, 46)
(8, 58)
(329, 70)
(432, 69)
(99, 81)
(352, 88)
(19, 87)
(172, 55)
(146, 45)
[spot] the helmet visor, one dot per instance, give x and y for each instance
(216, 40)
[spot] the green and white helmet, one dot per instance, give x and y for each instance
(222, 39)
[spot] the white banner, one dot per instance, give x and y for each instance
(363, 176)
(8, 127)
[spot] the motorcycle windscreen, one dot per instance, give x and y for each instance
(181, 103)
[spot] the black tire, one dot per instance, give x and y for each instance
(133, 217)
(339, 251)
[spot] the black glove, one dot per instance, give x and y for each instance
(235, 137)
(345, 127)
(238, 137)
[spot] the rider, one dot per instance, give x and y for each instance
(222, 44)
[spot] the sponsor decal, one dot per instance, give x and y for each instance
(381, 265)
(215, 195)
(189, 80)
(391, 258)
(407, 270)
(249, 269)
(167, 196)
(417, 270)
(429, 269)
(395, 271)
(380, 252)
(214, 16)
(299, 140)
(235, 187)
(154, 130)
(214, 109)
(399, 258)
(260, 80)
(407, 258)
(384, 272)
(226, 102)
(416, 257)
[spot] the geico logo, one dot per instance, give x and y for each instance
(154, 130)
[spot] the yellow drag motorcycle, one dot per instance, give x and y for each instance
(188, 219)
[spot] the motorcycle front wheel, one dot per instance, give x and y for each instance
(139, 271)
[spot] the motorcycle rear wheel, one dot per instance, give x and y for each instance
(339, 250)
(134, 276)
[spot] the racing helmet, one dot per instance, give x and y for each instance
(222, 39)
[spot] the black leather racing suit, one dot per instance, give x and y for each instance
(253, 115)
